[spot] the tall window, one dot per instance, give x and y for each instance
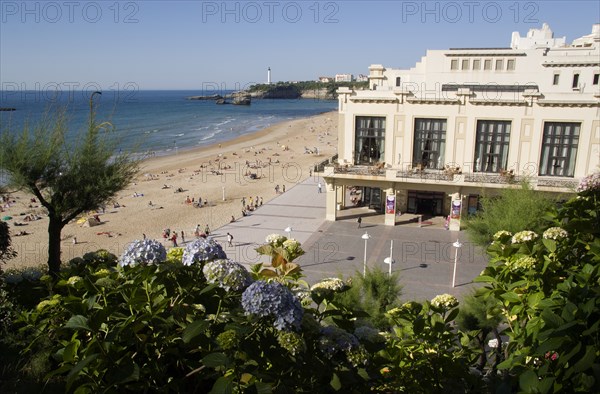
(596, 78)
(487, 64)
(510, 64)
(559, 149)
(476, 64)
(555, 79)
(369, 139)
(430, 143)
(397, 81)
(454, 64)
(575, 81)
(491, 147)
(465, 64)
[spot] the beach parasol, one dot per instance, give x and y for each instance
(7, 218)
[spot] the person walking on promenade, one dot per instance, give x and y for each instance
(182, 237)
(319, 187)
(207, 230)
(229, 239)
(359, 221)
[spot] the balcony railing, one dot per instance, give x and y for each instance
(553, 182)
(492, 178)
(426, 174)
(359, 170)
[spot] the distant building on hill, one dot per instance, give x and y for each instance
(431, 139)
(325, 79)
(362, 78)
(343, 77)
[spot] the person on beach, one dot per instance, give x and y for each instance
(229, 239)
(74, 240)
(232, 219)
(243, 201)
(174, 239)
(319, 186)
(197, 231)
(182, 237)
(276, 189)
(207, 230)
(283, 189)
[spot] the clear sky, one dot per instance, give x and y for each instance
(200, 44)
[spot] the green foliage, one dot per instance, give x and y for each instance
(374, 293)
(423, 353)
(6, 250)
(546, 286)
(514, 209)
(307, 86)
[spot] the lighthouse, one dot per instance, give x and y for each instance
(269, 75)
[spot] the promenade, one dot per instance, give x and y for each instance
(424, 256)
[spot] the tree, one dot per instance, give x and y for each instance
(6, 250)
(67, 177)
(514, 209)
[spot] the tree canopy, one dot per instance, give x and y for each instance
(69, 177)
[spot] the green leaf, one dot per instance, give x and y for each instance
(485, 279)
(263, 388)
(335, 382)
(550, 244)
(129, 372)
(452, 315)
(528, 381)
(215, 360)
(585, 362)
(551, 319)
(70, 351)
(78, 322)
(74, 372)
(194, 329)
(223, 385)
(511, 297)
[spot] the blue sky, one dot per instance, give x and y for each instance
(153, 44)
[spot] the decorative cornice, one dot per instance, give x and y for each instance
(572, 63)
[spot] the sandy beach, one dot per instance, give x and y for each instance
(160, 198)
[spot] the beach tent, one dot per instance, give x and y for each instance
(91, 222)
(81, 221)
(7, 218)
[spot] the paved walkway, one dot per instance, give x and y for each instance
(424, 257)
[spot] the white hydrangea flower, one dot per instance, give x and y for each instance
(275, 239)
(332, 284)
(555, 233)
(523, 236)
(523, 263)
(502, 234)
(444, 301)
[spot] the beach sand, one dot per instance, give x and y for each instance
(156, 208)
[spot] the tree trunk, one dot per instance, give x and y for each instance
(54, 230)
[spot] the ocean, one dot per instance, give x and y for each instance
(162, 122)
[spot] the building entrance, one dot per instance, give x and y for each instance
(426, 203)
(372, 198)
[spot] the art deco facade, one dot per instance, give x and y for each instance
(433, 138)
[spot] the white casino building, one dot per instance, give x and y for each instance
(429, 140)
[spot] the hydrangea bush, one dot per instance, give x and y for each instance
(273, 300)
(548, 290)
(227, 274)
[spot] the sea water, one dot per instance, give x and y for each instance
(161, 122)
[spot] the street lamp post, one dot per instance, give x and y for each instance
(457, 245)
(390, 260)
(288, 230)
(366, 237)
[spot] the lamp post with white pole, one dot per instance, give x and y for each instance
(390, 260)
(366, 237)
(457, 245)
(288, 230)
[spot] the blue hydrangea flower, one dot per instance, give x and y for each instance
(201, 251)
(334, 340)
(227, 274)
(147, 251)
(274, 300)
